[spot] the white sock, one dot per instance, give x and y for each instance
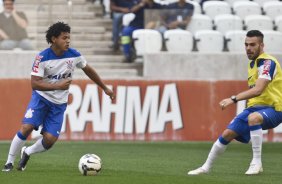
(217, 149)
(15, 149)
(256, 138)
(37, 147)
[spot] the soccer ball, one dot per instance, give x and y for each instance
(90, 164)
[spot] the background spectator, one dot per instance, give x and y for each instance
(137, 23)
(118, 9)
(178, 15)
(13, 28)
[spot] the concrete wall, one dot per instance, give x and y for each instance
(16, 64)
(161, 66)
(195, 66)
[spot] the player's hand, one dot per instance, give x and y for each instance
(64, 84)
(110, 93)
(226, 102)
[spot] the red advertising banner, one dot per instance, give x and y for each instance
(143, 110)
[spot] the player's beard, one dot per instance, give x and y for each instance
(254, 55)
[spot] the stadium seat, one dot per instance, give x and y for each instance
(245, 8)
(209, 41)
(261, 2)
(259, 22)
(197, 7)
(231, 2)
(235, 40)
(272, 8)
(199, 22)
(272, 41)
(227, 22)
(278, 23)
(213, 8)
(147, 41)
(178, 40)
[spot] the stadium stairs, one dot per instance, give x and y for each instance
(91, 34)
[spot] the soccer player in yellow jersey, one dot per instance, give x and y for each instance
(264, 107)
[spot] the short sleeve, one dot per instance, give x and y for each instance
(81, 62)
(38, 67)
(267, 69)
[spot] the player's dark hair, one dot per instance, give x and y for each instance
(255, 33)
(55, 30)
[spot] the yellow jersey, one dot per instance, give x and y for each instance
(267, 67)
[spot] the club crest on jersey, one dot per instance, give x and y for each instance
(266, 67)
(36, 64)
(29, 113)
(69, 64)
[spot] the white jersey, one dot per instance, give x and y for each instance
(53, 68)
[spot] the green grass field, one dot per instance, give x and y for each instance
(144, 163)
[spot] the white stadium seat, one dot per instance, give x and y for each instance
(197, 7)
(178, 40)
(245, 8)
(200, 22)
(231, 2)
(147, 41)
(261, 2)
(224, 23)
(259, 22)
(273, 8)
(213, 8)
(278, 23)
(209, 41)
(272, 41)
(236, 40)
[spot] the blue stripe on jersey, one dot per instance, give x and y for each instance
(48, 54)
(272, 66)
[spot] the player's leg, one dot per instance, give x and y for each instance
(255, 120)
(51, 130)
(265, 118)
(41, 145)
(217, 149)
(16, 145)
(237, 129)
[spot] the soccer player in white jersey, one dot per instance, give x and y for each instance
(51, 77)
(264, 107)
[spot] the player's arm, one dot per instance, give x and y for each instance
(37, 83)
(257, 90)
(92, 74)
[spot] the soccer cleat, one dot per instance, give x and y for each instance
(254, 169)
(8, 167)
(198, 171)
(23, 161)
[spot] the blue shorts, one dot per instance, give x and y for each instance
(239, 124)
(43, 112)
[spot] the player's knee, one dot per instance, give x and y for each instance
(229, 135)
(47, 144)
(255, 119)
(48, 140)
(26, 129)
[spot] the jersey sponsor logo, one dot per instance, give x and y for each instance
(266, 67)
(60, 76)
(29, 113)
